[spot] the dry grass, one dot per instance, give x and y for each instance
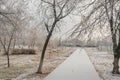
(28, 64)
(10, 73)
(52, 59)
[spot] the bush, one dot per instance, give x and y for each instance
(23, 51)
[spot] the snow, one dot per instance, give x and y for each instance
(103, 64)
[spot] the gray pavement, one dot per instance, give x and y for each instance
(75, 67)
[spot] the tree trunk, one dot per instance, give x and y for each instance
(8, 59)
(45, 46)
(8, 48)
(114, 40)
(116, 59)
(116, 64)
(43, 54)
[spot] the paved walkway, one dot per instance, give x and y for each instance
(76, 67)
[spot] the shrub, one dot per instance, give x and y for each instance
(23, 51)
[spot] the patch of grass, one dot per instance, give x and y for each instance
(10, 73)
(33, 75)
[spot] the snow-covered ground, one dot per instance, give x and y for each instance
(102, 62)
(23, 67)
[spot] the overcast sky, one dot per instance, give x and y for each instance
(69, 21)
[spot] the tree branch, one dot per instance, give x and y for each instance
(46, 26)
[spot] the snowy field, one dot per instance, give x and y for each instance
(23, 67)
(102, 62)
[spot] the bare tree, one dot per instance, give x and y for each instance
(6, 43)
(103, 13)
(55, 11)
(8, 27)
(113, 14)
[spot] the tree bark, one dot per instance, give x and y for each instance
(116, 51)
(43, 54)
(8, 59)
(44, 48)
(116, 64)
(116, 56)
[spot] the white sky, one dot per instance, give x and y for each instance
(70, 22)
